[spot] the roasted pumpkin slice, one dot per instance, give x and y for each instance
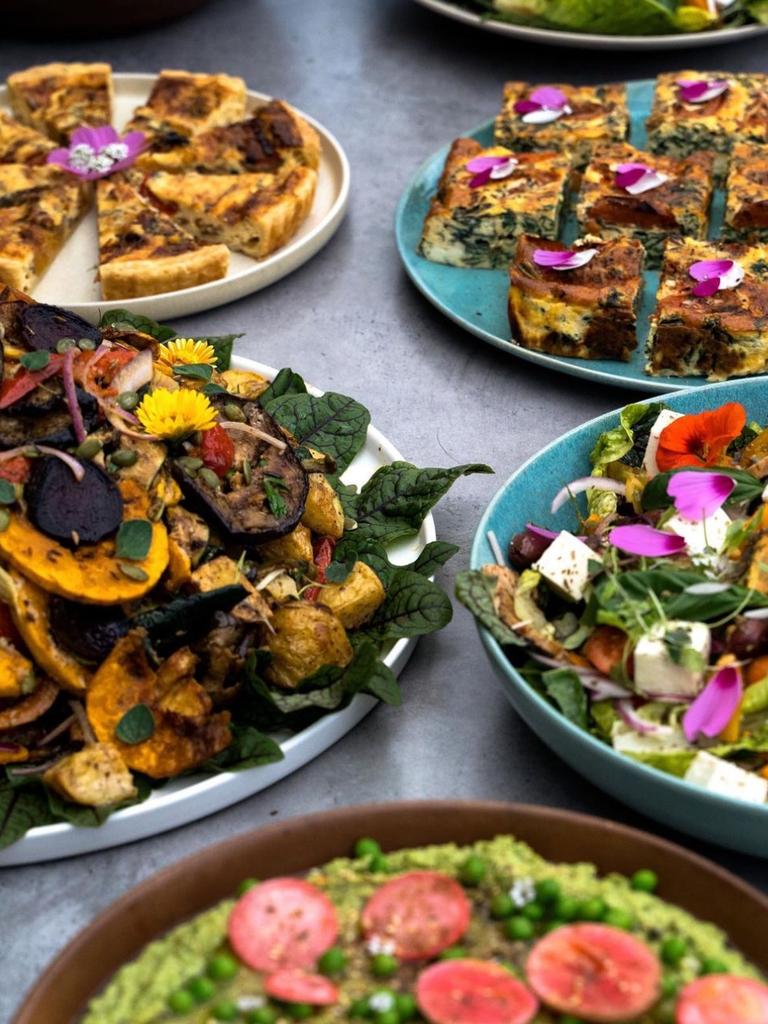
(90, 573)
(30, 610)
(30, 708)
(173, 734)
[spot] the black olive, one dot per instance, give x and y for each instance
(88, 631)
(525, 548)
(71, 511)
(748, 638)
(44, 326)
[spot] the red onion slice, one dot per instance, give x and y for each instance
(584, 483)
(68, 378)
(627, 713)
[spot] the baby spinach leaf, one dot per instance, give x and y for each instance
(21, 808)
(194, 371)
(285, 383)
(222, 345)
(414, 606)
(248, 749)
(333, 423)
(563, 686)
(134, 539)
(475, 591)
(433, 557)
(123, 320)
(383, 685)
(136, 725)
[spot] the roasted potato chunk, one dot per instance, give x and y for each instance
(323, 512)
(17, 673)
(189, 530)
(306, 637)
(219, 572)
(95, 776)
(356, 599)
(149, 461)
(295, 546)
(244, 383)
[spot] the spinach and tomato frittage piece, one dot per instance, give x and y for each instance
(182, 569)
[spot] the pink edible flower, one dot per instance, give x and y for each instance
(701, 90)
(637, 178)
(490, 168)
(563, 259)
(97, 152)
(640, 539)
(543, 105)
(698, 495)
(715, 275)
(714, 707)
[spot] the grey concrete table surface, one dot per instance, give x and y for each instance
(393, 82)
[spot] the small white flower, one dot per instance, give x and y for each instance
(376, 945)
(691, 965)
(81, 156)
(115, 151)
(381, 1002)
(246, 1003)
(523, 891)
(100, 162)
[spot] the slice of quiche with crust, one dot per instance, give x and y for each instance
(143, 251)
(182, 104)
(273, 137)
(57, 98)
(39, 209)
(22, 145)
(746, 198)
(251, 213)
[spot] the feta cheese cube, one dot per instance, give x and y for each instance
(659, 658)
(727, 779)
(665, 417)
(663, 740)
(565, 565)
(700, 534)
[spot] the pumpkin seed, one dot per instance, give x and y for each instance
(155, 512)
(234, 412)
(125, 457)
(7, 492)
(210, 478)
(133, 572)
(189, 464)
(90, 447)
(128, 400)
(349, 523)
(86, 344)
(247, 471)
(65, 344)
(5, 519)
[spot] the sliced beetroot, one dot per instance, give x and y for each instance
(282, 923)
(43, 326)
(723, 999)
(72, 511)
(88, 630)
(594, 972)
(45, 420)
(421, 912)
(473, 992)
(292, 986)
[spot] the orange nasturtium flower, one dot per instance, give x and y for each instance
(701, 438)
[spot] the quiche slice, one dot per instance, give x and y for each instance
(39, 209)
(274, 136)
(143, 251)
(746, 199)
(251, 213)
(22, 145)
(182, 104)
(57, 98)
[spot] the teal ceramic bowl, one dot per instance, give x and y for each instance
(526, 497)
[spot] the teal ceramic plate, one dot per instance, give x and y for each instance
(477, 299)
(526, 497)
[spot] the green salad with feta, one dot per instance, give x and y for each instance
(647, 623)
(624, 17)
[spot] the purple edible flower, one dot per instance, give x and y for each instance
(640, 539)
(698, 495)
(543, 105)
(714, 707)
(701, 90)
(715, 275)
(97, 152)
(563, 259)
(637, 178)
(490, 168)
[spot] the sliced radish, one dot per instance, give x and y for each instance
(473, 992)
(291, 986)
(723, 999)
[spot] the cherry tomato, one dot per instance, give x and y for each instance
(217, 450)
(24, 381)
(323, 556)
(15, 470)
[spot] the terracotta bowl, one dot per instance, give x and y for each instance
(294, 846)
(90, 17)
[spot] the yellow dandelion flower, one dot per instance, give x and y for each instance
(174, 414)
(185, 352)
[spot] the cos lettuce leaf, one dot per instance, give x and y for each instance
(612, 17)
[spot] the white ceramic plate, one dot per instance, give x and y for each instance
(71, 282)
(589, 41)
(183, 800)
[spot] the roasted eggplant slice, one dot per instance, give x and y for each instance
(73, 512)
(266, 495)
(43, 327)
(88, 631)
(43, 418)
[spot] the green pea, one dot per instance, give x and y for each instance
(378, 863)
(388, 1017)
(225, 1010)
(65, 344)
(299, 1011)
(245, 885)
(383, 965)
(222, 967)
(124, 457)
(518, 928)
(261, 1015)
(333, 961)
(644, 880)
(88, 448)
(367, 847)
(210, 478)
(592, 910)
(533, 911)
(180, 1002)
(234, 412)
(128, 400)
(201, 989)
(502, 906)
(673, 950)
(473, 870)
(669, 986)
(566, 909)
(453, 953)
(405, 1005)
(619, 918)
(360, 1009)
(86, 344)
(711, 965)
(552, 926)
(548, 891)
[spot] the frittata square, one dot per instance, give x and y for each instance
(746, 198)
(591, 115)
(678, 205)
(680, 123)
(474, 223)
(589, 312)
(717, 336)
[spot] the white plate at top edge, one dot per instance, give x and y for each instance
(70, 281)
(592, 41)
(184, 800)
